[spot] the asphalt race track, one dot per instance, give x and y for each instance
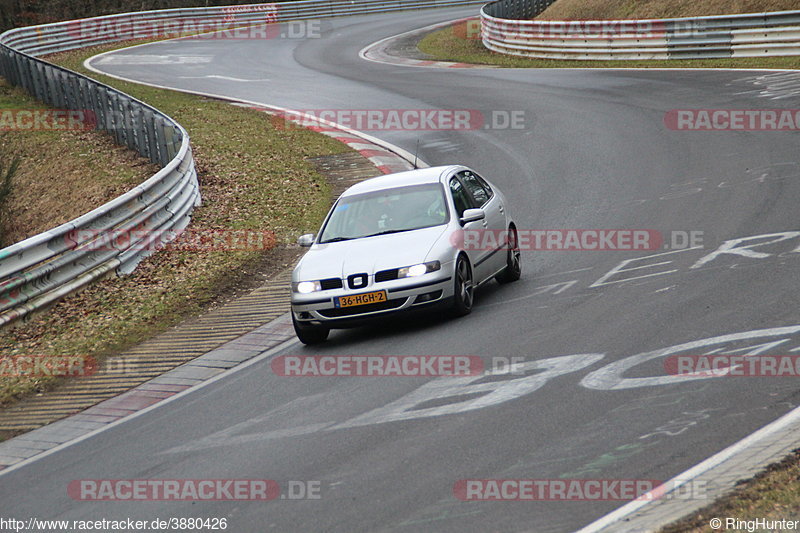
(593, 153)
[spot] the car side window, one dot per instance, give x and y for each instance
(461, 199)
(477, 187)
(485, 185)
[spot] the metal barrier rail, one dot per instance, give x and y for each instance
(39, 270)
(64, 36)
(506, 28)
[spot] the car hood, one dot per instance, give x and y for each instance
(370, 255)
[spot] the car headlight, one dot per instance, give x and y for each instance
(307, 287)
(418, 270)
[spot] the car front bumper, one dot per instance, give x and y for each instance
(403, 295)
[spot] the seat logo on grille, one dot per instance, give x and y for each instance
(357, 281)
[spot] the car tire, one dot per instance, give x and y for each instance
(309, 334)
(464, 294)
(513, 269)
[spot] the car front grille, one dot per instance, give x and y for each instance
(386, 275)
(331, 283)
(361, 309)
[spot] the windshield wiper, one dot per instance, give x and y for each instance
(387, 232)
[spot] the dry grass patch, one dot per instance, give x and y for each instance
(642, 9)
(85, 167)
(774, 495)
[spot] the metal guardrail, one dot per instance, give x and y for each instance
(39, 270)
(506, 28)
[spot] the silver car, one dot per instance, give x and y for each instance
(396, 243)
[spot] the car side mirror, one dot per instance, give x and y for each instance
(471, 215)
(306, 240)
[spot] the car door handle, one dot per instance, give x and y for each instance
(501, 209)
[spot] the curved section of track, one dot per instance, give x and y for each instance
(593, 153)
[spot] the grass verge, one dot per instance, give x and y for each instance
(450, 44)
(254, 175)
(774, 494)
(86, 167)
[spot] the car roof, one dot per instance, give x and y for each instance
(401, 179)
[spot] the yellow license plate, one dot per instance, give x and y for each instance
(361, 299)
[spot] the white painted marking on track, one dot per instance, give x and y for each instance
(714, 351)
(611, 376)
(564, 273)
(145, 59)
(665, 289)
(620, 268)
(412, 405)
(775, 86)
(731, 247)
(555, 288)
(219, 77)
(475, 392)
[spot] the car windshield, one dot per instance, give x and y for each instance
(386, 211)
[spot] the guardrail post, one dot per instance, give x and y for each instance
(52, 86)
(72, 93)
(115, 128)
(161, 127)
(85, 99)
(36, 82)
(137, 130)
(60, 99)
(14, 72)
(120, 119)
(127, 114)
(104, 118)
(66, 91)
